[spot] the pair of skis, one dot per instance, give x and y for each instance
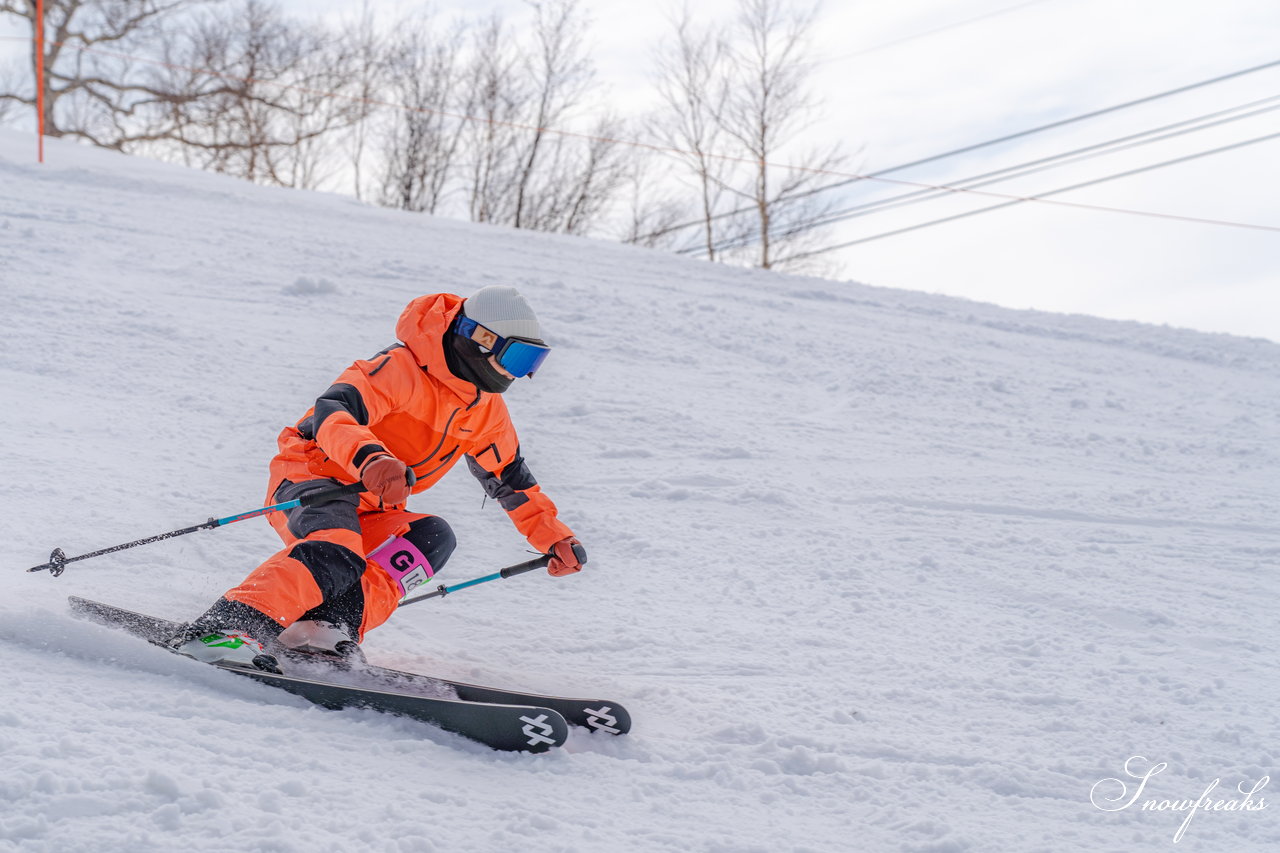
(502, 719)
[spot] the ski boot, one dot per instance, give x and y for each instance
(228, 647)
(324, 640)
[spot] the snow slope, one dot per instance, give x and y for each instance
(873, 570)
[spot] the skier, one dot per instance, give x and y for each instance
(418, 406)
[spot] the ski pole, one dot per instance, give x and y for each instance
(58, 560)
(509, 571)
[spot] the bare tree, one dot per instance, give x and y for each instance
(369, 47)
(577, 179)
(695, 88)
(494, 95)
(7, 85)
(479, 126)
(92, 90)
(423, 74)
(235, 86)
(238, 90)
(528, 171)
(652, 214)
(560, 73)
(259, 94)
(330, 99)
(735, 104)
(769, 106)
(601, 171)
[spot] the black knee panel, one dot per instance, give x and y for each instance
(434, 538)
(335, 568)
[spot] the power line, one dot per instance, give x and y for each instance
(1077, 155)
(1044, 196)
(974, 147)
(934, 31)
(663, 149)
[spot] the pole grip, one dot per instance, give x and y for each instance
(521, 568)
(541, 563)
(349, 489)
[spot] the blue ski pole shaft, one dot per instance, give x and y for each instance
(306, 500)
(509, 571)
(58, 560)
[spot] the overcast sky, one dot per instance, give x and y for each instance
(907, 79)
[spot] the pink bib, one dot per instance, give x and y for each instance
(401, 559)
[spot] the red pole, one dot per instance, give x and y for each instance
(40, 78)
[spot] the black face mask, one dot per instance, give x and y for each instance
(467, 361)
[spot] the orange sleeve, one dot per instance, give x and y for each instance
(365, 393)
(496, 461)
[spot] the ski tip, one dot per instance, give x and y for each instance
(543, 730)
(607, 717)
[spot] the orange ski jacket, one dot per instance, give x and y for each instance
(406, 402)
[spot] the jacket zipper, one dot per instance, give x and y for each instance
(444, 459)
(436, 449)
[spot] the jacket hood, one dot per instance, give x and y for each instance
(422, 327)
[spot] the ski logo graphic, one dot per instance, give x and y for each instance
(601, 720)
(539, 734)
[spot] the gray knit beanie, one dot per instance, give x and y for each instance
(503, 310)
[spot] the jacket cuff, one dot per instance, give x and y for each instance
(547, 534)
(366, 454)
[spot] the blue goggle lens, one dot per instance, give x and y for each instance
(517, 357)
(520, 358)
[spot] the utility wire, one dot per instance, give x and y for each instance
(1042, 196)
(1008, 173)
(966, 149)
(934, 31)
(663, 149)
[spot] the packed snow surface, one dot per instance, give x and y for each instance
(872, 570)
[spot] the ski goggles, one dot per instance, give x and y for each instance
(517, 356)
